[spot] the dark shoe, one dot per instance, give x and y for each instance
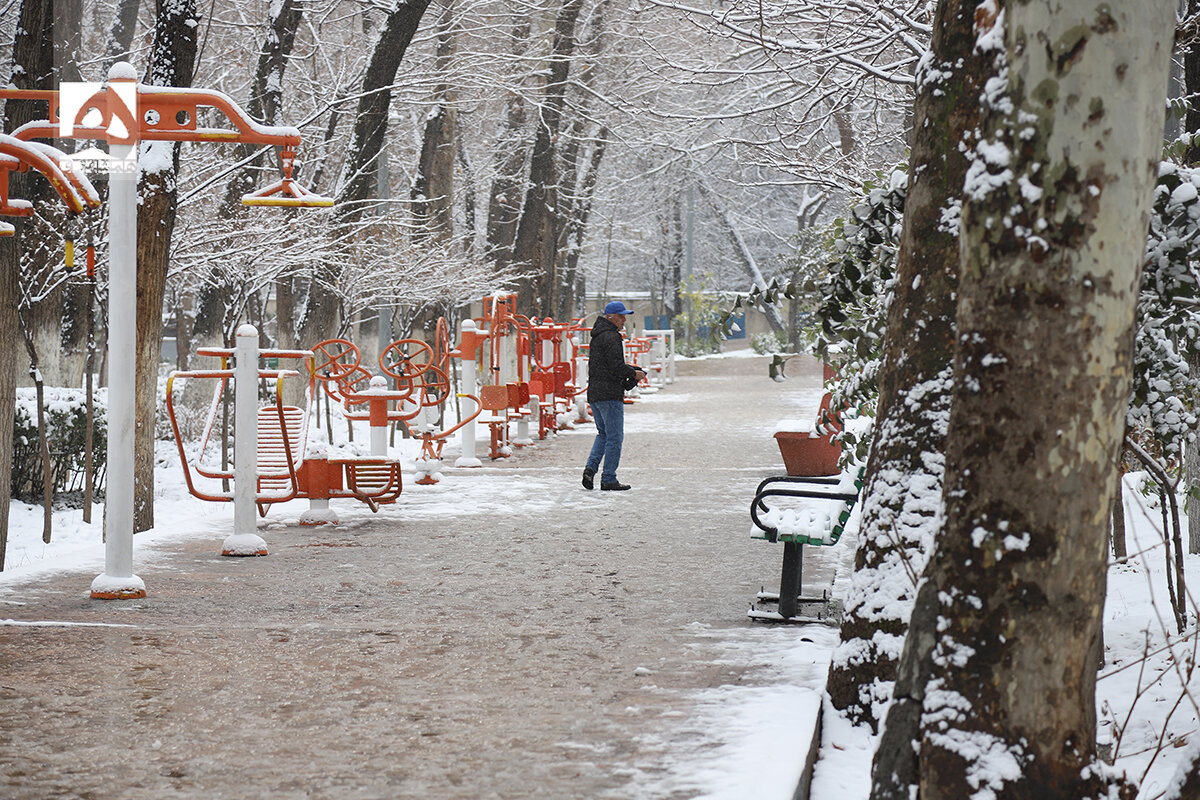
(589, 476)
(613, 487)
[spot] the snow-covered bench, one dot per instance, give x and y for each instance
(802, 510)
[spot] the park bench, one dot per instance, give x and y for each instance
(810, 505)
(818, 519)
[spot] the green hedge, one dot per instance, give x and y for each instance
(66, 418)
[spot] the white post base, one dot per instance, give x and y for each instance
(319, 513)
(107, 587)
(522, 439)
(467, 461)
(244, 544)
(428, 472)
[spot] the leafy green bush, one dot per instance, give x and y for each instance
(66, 420)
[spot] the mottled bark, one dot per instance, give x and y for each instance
(1118, 520)
(360, 178)
(537, 232)
(903, 487)
(996, 686)
(1191, 157)
(172, 59)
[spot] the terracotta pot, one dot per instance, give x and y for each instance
(808, 456)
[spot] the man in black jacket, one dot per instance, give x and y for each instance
(608, 378)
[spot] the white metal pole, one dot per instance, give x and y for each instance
(245, 541)
(118, 580)
(522, 438)
(671, 355)
(467, 434)
(581, 366)
(378, 422)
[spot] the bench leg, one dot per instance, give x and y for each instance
(789, 583)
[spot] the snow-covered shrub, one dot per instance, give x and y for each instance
(855, 295)
(767, 343)
(66, 423)
(1165, 393)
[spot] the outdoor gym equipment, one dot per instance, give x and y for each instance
(506, 398)
(660, 369)
(553, 378)
(272, 462)
(122, 112)
(422, 384)
(471, 339)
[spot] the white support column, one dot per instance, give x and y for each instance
(581, 367)
(245, 541)
(467, 434)
(118, 581)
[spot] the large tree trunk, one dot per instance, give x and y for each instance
(574, 226)
(56, 317)
(120, 34)
(171, 64)
(537, 234)
(996, 686)
(580, 167)
(511, 150)
(1191, 157)
(903, 488)
(359, 183)
(433, 185)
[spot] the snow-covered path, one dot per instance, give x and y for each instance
(504, 634)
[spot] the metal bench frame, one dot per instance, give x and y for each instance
(790, 598)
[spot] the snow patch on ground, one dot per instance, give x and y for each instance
(747, 740)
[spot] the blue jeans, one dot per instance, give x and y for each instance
(610, 433)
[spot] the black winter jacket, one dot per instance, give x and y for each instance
(608, 374)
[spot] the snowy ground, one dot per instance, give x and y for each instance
(718, 751)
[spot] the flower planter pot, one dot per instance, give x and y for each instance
(805, 455)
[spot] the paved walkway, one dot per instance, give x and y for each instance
(502, 635)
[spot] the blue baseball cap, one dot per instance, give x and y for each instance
(617, 307)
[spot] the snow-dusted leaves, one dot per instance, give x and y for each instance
(1164, 392)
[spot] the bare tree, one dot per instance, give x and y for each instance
(264, 103)
(537, 232)
(360, 174)
(32, 69)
